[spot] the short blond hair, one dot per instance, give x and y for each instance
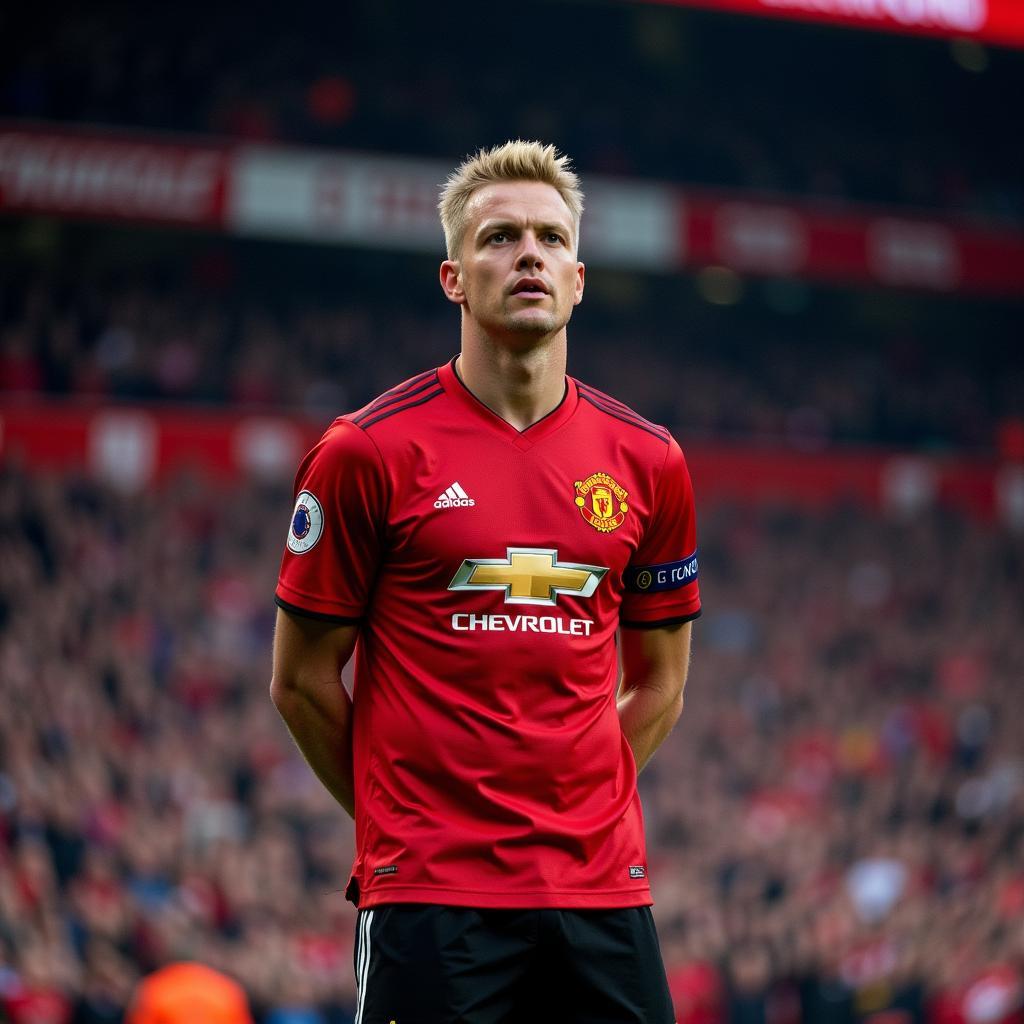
(514, 161)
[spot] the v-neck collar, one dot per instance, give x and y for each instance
(522, 439)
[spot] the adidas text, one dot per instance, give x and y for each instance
(454, 497)
(445, 502)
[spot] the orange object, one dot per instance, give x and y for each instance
(186, 992)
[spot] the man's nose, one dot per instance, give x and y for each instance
(530, 253)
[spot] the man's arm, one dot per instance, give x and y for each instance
(308, 692)
(650, 701)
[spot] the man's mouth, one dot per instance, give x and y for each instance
(531, 287)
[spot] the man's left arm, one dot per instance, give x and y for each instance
(655, 663)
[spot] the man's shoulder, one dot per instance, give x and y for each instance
(619, 413)
(411, 394)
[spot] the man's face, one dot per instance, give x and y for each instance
(517, 274)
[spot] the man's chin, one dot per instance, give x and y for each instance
(532, 324)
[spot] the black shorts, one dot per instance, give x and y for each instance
(419, 963)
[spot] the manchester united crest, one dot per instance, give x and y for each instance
(602, 502)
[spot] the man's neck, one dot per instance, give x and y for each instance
(522, 386)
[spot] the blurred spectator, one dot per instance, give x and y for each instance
(186, 992)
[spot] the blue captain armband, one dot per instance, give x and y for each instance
(649, 579)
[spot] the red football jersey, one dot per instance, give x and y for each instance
(489, 570)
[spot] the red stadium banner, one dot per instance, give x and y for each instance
(993, 21)
(116, 176)
(843, 244)
(135, 447)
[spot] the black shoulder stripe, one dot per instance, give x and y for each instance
(367, 423)
(384, 401)
(402, 391)
(616, 405)
(659, 623)
(405, 386)
(624, 414)
(410, 383)
(613, 405)
(606, 398)
(639, 424)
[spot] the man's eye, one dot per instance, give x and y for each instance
(499, 236)
(554, 238)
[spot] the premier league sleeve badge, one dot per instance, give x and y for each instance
(307, 523)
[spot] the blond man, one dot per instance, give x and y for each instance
(512, 556)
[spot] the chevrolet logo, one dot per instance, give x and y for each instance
(528, 576)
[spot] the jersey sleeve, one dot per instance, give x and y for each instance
(661, 580)
(334, 538)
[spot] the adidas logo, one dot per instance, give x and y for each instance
(454, 497)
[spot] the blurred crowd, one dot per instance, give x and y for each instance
(694, 97)
(808, 382)
(836, 827)
(840, 816)
(151, 805)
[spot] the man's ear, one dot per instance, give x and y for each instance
(451, 282)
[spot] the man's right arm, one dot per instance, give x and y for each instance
(307, 690)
